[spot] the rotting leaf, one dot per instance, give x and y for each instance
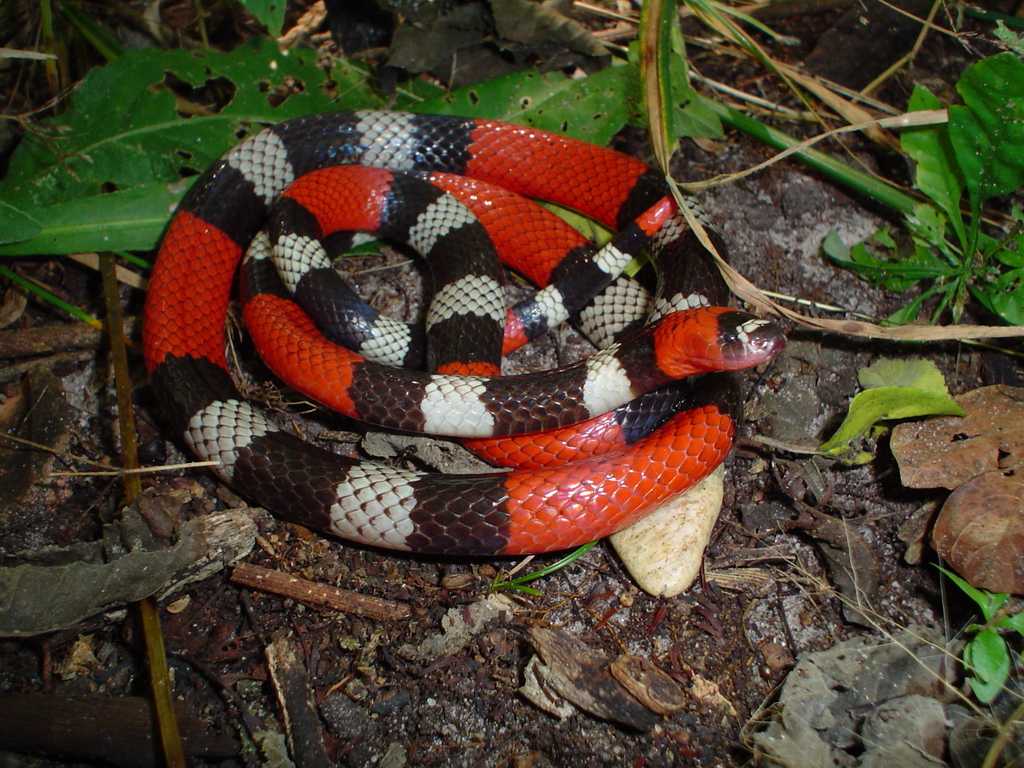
(949, 451)
(44, 598)
(852, 563)
(419, 45)
(38, 413)
(980, 532)
(581, 676)
(534, 23)
(652, 686)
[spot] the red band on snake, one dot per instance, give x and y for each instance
(539, 507)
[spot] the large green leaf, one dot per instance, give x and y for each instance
(937, 173)
(15, 225)
(123, 131)
(105, 174)
(269, 12)
(987, 131)
(593, 108)
(131, 220)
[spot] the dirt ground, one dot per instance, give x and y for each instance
(388, 691)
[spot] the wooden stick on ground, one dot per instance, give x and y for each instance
(318, 594)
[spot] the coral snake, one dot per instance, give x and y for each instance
(289, 192)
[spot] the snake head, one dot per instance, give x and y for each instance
(714, 339)
(746, 340)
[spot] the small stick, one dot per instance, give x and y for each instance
(318, 594)
(291, 683)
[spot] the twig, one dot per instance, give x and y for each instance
(318, 594)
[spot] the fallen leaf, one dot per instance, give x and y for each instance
(581, 675)
(709, 694)
(980, 532)
(651, 685)
(37, 412)
(949, 451)
(820, 714)
(852, 563)
(893, 389)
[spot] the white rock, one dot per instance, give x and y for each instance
(663, 552)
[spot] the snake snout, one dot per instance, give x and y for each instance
(747, 341)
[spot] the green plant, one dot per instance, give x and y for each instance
(893, 390)
(987, 656)
(979, 150)
(505, 581)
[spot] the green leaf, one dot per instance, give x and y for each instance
(834, 247)
(937, 173)
(123, 131)
(988, 602)
(1014, 622)
(989, 660)
(16, 225)
(1004, 297)
(592, 108)
(887, 404)
(909, 313)
(987, 132)
(270, 13)
(917, 373)
(1009, 252)
(131, 220)
(691, 117)
(899, 390)
(928, 224)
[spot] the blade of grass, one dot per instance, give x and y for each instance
(657, 19)
(879, 190)
(520, 581)
(38, 290)
(159, 673)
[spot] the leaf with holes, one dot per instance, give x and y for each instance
(593, 108)
(125, 130)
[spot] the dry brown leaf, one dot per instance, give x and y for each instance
(652, 686)
(949, 451)
(980, 532)
(581, 676)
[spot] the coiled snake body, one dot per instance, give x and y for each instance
(543, 504)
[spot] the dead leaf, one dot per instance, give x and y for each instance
(36, 413)
(709, 694)
(980, 532)
(527, 22)
(651, 685)
(949, 451)
(581, 676)
(37, 598)
(852, 563)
